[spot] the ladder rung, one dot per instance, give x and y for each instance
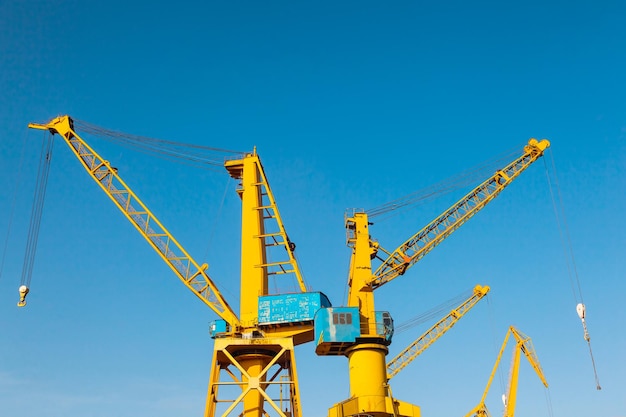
(275, 264)
(269, 234)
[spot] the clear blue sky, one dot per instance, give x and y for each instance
(350, 104)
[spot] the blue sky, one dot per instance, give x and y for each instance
(350, 104)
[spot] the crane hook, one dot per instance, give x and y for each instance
(580, 309)
(23, 292)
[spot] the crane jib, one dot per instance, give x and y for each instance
(416, 247)
(160, 239)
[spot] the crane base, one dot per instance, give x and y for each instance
(362, 406)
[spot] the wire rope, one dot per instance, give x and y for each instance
(432, 313)
(496, 344)
(216, 219)
(447, 186)
(194, 155)
(211, 234)
(37, 209)
(549, 402)
(563, 233)
(570, 261)
(199, 156)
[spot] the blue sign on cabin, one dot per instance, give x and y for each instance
(290, 308)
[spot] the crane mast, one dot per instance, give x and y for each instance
(366, 347)
(422, 343)
(258, 204)
(253, 371)
(523, 344)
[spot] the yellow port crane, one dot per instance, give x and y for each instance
(253, 360)
(524, 345)
(430, 336)
(361, 333)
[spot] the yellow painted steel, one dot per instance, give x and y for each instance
(247, 356)
(361, 272)
(429, 337)
(416, 247)
(369, 391)
(250, 359)
(245, 378)
(192, 274)
(252, 249)
(257, 205)
(368, 350)
(523, 344)
(368, 373)
(370, 395)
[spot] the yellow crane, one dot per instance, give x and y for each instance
(254, 350)
(360, 332)
(253, 355)
(524, 345)
(412, 351)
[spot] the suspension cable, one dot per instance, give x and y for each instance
(566, 242)
(199, 156)
(549, 402)
(461, 180)
(432, 313)
(196, 156)
(36, 214)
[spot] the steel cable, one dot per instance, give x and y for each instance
(568, 251)
(447, 186)
(434, 312)
(37, 209)
(199, 156)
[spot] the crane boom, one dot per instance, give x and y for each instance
(435, 332)
(416, 247)
(192, 274)
(481, 409)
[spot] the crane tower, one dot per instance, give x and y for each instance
(253, 353)
(362, 333)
